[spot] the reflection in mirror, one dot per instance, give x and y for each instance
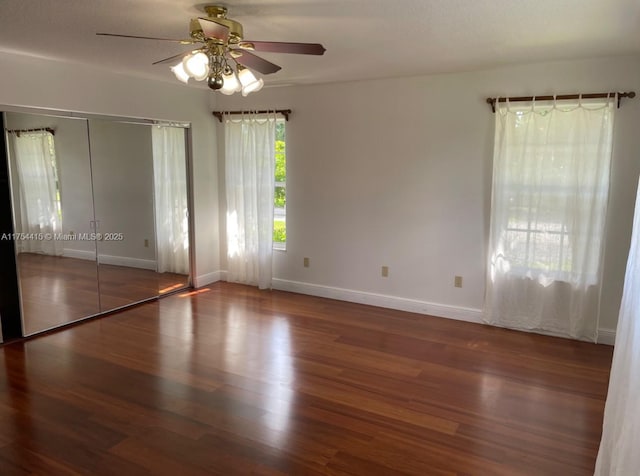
(122, 166)
(100, 214)
(140, 201)
(52, 208)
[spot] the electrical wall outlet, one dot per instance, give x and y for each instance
(385, 271)
(146, 243)
(457, 281)
(305, 262)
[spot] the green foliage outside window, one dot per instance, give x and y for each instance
(281, 174)
(279, 232)
(280, 194)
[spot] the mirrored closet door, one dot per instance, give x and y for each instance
(52, 197)
(140, 199)
(100, 213)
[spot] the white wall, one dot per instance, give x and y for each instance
(37, 82)
(397, 172)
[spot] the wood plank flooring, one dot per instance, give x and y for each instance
(230, 380)
(56, 290)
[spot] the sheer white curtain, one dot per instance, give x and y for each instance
(170, 189)
(619, 453)
(548, 207)
(40, 213)
(250, 181)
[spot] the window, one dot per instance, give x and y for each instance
(280, 190)
(549, 200)
(550, 190)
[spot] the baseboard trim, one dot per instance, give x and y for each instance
(79, 254)
(126, 261)
(606, 336)
(209, 278)
(109, 259)
(381, 300)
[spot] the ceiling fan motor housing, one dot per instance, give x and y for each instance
(218, 14)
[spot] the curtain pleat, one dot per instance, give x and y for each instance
(40, 213)
(618, 454)
(170, 195)
(250, 182)
(550, 190)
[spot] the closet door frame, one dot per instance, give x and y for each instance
(11, 315)
(10, 306)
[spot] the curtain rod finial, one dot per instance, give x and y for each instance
(492, 103)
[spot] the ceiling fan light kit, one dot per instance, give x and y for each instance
(230, 83)
(196, 66)
(223, 58)
(180, 73)
(248, 81)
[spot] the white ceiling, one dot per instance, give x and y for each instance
(363, 38)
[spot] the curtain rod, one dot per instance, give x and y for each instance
(561, 97)
(284, 112)
(40, 129)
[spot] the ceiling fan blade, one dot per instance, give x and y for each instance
(184, 42)
(255, 62)
(213, 29)
(171, 58)
(281, 47)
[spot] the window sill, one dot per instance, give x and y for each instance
(547, 277)
(279, 247)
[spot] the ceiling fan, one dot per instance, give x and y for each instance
(223, 57)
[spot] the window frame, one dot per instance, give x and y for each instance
(528, 230)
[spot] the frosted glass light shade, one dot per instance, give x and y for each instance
(253, 87)
(180, 73)
(246, 77)
(249, 81)
(231, 84)
(196, 66)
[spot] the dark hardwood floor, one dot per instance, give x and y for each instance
(230, 380)
(57, 290)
